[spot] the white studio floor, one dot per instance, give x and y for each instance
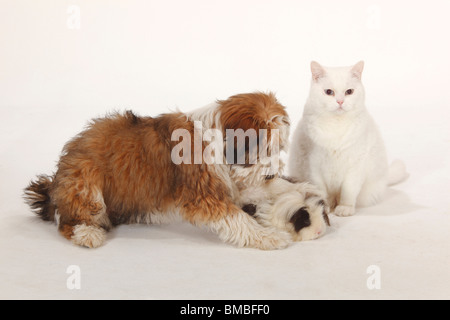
(406, 237)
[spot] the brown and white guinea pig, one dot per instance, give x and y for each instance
(297, 208)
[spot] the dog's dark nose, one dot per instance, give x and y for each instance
(300, 219)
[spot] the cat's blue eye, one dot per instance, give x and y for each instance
(349, 92)
(329, 92)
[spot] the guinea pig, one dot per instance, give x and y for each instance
(298, 208)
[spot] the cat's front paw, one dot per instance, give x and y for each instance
(344, 211)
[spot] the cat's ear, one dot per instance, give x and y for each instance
(317, 70)
(357, 70)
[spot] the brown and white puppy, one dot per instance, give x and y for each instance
(129, 169)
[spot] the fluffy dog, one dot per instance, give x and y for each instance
(129, 169)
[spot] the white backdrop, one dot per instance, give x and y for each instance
(153, 55)
(63, 62)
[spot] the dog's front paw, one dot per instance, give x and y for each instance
(271, 239)
(243, 230)
(344, 211)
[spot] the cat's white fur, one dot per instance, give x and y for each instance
(337, 145)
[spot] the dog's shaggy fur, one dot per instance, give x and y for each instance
(119, 170)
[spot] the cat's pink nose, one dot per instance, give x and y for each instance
(340, 102)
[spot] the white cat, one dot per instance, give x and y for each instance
(337, 145)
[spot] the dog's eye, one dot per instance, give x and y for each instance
(349, 92)
(329, 92)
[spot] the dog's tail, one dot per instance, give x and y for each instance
(38, 197)
(397, 173)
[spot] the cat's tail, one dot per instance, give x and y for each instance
(397, 173)
(38, 198)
